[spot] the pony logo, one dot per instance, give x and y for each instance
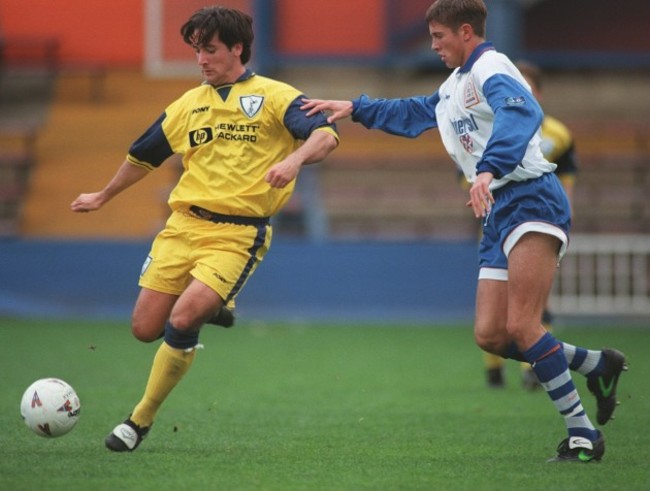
(202, 109)
(251, 104)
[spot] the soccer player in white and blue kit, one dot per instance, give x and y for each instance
(489, 122)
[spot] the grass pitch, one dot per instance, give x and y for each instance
(273, 407)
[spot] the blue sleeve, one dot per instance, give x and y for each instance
(408, 117)
(517, 117)
(152, 147)
(299, 125)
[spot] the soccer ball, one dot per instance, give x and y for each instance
(50, 407)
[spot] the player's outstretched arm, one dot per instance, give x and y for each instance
(336, 109)
(314, 149)
(127, 175)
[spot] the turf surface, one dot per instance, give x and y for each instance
(273, 407)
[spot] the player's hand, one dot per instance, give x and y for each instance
(87, 202)
(481, 199)
(283, 173)
(336, 109)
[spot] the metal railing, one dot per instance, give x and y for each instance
(604, 275)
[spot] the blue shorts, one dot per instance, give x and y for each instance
(538, 205)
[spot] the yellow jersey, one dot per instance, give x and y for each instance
(558, 147)
(229, 136)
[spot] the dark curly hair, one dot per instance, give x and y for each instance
(231, 25)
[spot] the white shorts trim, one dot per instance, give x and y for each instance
(500, 274)
(493, 274)
(541, 227)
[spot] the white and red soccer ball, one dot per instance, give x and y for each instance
(50, 407)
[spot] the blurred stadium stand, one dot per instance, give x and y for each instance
(30, 68)
(67, 120)
(27, 77)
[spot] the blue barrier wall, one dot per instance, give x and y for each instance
(428, 282)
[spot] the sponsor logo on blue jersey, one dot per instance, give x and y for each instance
(516, 101)
(465, 125)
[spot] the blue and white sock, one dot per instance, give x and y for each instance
(550, 365)
(582, 360)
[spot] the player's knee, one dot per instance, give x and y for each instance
(518, 331)
(145, 333)
(489, 342)
(184, 321)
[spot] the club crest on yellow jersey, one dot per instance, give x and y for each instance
(251, 104)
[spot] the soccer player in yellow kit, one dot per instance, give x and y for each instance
(243, 140)
(558, 147)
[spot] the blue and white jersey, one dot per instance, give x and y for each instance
(486, 114)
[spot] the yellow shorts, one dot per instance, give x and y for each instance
(220, 255)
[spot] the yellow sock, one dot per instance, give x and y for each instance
(492, 361)
(168, 368)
